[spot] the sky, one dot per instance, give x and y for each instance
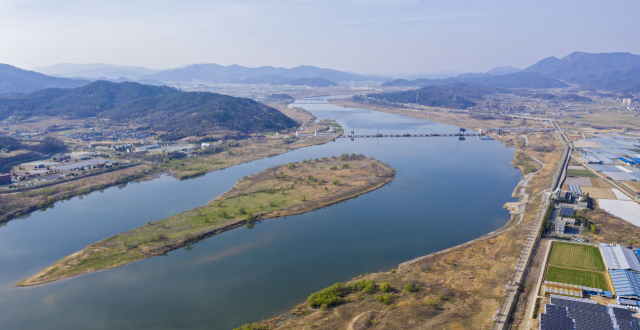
(367, 37)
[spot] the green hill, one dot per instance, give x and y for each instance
(455, 96)
(163, 108)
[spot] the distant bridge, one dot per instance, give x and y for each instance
(311, 102)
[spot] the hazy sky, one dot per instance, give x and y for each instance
(373, 36)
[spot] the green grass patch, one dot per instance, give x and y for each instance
(581, 173)
(577, 277)
(576, 256)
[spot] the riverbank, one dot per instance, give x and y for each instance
(457, 289)
(282, 190)
(16, 204)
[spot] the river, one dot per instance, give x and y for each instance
(446, 192)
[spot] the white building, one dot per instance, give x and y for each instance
(618, 257)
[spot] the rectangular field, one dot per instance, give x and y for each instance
(576, 256)
(598, 192)
(577, 277)
(581, 173)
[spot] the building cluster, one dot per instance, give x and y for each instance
(58, 167)
(116, 135)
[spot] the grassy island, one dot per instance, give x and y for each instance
(282, 190)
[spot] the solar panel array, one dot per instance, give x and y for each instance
(624, 319)
(566, 314)
(586, 316)
(575, 189)
(565, 211)
(556, 318)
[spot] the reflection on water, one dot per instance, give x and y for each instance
(445, 192)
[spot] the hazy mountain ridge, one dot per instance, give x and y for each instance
(96, 71)
(216, 72)
(163, 108)
(512, 80)
(608, 71)
(16, 80)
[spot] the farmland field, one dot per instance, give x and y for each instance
(576, 256)
(577, 277)
(581, 173)
(594, 192)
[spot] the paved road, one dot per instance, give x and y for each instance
(533, 239)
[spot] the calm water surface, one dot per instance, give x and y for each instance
(445, 192)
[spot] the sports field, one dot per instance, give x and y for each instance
(576, 256)
(577, 277)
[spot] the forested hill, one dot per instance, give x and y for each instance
(163, 108)
(454, 96)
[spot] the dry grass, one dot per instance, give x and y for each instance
(594, 192)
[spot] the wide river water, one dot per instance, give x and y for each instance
(446, 192)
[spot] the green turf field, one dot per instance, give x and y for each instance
(576, 256)
(577, 277)
(581, 173)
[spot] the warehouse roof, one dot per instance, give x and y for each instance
(626, 283)
(618, 257)
(73, 166)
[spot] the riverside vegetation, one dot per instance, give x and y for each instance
(282, 190)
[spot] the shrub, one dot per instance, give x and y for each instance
(254, 326)
(335, 182)
(330, 296)
(159, 237)
(344, 165)
(593, 229)
(364, 286)
(321, 181)
(251, 218)
(386, 299)
(333, 168)
(148, 222)
(310, 177)
(243, 211)
(430, 302)
(385, 287)
(412, 287)
(223, 214)
(391, 307)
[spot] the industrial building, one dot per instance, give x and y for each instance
(87, 164)
(626, 284)
(5, 178)
(618, 257)
(37, 165)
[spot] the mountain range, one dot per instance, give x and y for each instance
(511, 80)
(216, 72)
(609, 71)
(14, 80)
(163, 108)
(96, 71)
